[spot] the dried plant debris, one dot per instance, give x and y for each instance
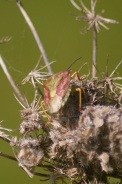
(30, 153)
(94, 146)
(83, 145)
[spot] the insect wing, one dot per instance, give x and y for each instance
(55, 90)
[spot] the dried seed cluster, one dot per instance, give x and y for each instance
(96, 143)
(30, 153)
(84, 146)
(32, 120)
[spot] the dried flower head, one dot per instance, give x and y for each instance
(32, 117)
(94, 145)
(36, 75)
(30, 154)
(90, 16)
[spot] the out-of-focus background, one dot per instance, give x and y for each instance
(61, 35)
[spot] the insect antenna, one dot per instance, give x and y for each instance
(73, 62)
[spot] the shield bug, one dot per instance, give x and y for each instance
(57, 90)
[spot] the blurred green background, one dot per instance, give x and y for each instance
(55, 23)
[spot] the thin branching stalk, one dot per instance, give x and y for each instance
(94, 21)
(115, 68)
(10, 79)
(94, 65)
(7, 156)
(36, 36)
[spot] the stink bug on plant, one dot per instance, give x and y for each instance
(57, 90)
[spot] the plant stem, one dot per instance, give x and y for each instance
(8, 156)
(94, 64)
(10, 79)
(36, 36)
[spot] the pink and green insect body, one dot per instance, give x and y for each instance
(57, 90)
